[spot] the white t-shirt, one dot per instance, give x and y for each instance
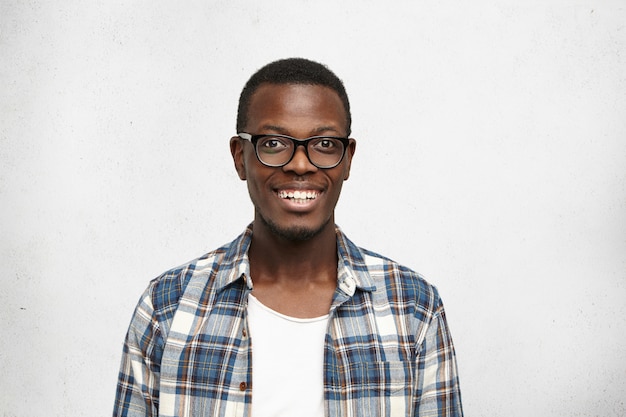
(287, 363)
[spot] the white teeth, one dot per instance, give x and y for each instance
(298, 195)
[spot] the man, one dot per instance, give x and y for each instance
(291, 318)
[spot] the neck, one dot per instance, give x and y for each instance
(276, 258)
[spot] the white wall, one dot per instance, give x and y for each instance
(491, 158)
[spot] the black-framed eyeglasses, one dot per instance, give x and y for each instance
(278, 150)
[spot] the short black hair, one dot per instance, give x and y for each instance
(292, 71)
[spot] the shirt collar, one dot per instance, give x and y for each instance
(234, 264)
(352, 272)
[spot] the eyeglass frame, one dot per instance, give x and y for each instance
(253, 139)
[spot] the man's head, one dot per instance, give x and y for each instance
(292, 71)
(294, 197)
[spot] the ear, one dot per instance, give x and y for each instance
(236, 150)
(348, 158)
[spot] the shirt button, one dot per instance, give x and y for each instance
(244, 333)
(242, 386)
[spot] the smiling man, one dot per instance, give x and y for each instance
(291, 318)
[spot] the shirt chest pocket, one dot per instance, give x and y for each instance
(378, 388)
(379, 378)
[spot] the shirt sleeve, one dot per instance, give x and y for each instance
(138, 381)
(438, 392)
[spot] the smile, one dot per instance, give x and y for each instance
(298, 196)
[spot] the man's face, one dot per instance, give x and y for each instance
(300, 111)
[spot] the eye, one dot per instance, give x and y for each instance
(327, 145)
(272, 144)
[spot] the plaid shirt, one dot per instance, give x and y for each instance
(388, 351)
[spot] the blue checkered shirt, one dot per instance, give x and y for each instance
(387, 352)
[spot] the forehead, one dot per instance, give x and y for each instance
(285, 105)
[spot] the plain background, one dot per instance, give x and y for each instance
(491, 158)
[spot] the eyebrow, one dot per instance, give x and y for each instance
(318, 131)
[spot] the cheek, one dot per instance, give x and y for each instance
(254, 191)
(255, 178)
(338, 184)
(248, 165)
(346, 169)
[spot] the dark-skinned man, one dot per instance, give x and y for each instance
(291, 318)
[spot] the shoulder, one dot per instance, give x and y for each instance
(166, 289)
(392, 277)
(210, 270)
(392, 282)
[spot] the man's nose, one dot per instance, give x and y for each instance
(300, 163)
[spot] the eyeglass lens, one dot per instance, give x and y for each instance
(322, 151)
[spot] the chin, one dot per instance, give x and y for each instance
(294, 233)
